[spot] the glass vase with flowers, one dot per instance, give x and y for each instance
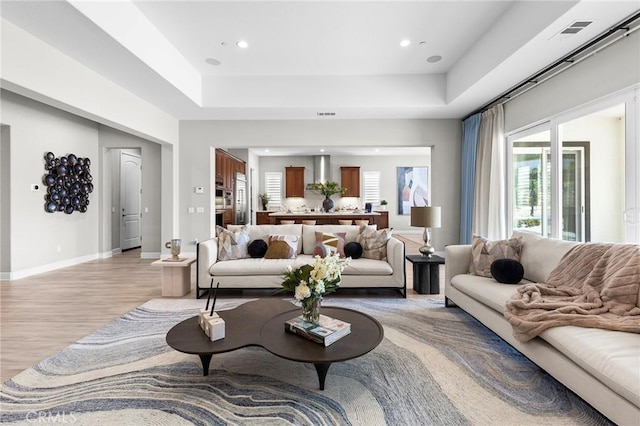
(310, 283)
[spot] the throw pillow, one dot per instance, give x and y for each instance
(353, 250)
(329, 243)
(484, 252)
(232, 245)
(507, 271)
(282, 247)
(257, 248)
(374, 243)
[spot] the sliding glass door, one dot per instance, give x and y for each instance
(570, 177)
(531, 183)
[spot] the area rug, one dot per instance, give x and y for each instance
(435, 366)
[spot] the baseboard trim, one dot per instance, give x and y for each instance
(51, 266)
(5, 276)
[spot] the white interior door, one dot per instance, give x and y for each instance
(130, 200)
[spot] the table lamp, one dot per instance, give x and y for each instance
(428, 217)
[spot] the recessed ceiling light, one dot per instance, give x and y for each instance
(242, 44)
(321, 149)
(434, 59)
(266, 150)
(405, 42)
(377, 149)
(212, 61)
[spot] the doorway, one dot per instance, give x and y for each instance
(130, 200)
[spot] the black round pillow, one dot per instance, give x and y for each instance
(507, 271)
(353, 250)
(257, 248)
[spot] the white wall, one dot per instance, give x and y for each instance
(5, 190)
(31, 236)
(196, 138)
(35, 234)
(611, 70)
(70, 86)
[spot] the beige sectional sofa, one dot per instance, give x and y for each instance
(261, 273)
(601, 366)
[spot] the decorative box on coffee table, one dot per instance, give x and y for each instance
(176, 275)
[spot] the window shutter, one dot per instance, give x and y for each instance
(273, 187)
(371, 187)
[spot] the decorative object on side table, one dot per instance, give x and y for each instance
(428, 217)
(175, 245)
(310, 282)
(383, 204)
(264, 199)
(328, 189)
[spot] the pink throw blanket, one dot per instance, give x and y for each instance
(594, 285)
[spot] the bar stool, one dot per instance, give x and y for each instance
(345, 221)
(308, 222)
(361, 222)
(287, 222)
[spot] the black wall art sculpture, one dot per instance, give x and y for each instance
(68, 180)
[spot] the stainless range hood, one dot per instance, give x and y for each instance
(321, 169)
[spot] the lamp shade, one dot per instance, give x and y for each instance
(427, 217)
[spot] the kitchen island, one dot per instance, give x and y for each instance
(381, 219)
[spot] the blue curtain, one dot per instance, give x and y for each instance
(470, 129)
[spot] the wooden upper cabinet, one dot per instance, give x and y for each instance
(350, 179)
(226, 168)
(294, 181)
(219, 167)
(242, 167)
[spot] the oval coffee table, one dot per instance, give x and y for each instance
(261, 323)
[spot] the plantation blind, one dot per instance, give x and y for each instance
(273, 187)
(371, 187)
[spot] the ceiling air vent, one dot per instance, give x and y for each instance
(576, 27)
(326, 114)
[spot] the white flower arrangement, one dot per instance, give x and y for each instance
(323, 277)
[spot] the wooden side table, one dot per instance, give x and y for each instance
(176, 276)
(426, 273)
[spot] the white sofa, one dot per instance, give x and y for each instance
(601, 366)
(260, 273)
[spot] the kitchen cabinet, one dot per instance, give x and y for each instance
(294, 181)
(263, 218)
(226, 168)
(219, 169)
(383, 220)
(228, 217)
(350, 179)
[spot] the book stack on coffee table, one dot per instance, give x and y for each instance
(327, 331)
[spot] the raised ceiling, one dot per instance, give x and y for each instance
(323, 60)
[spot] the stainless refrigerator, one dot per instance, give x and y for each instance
(242, 207)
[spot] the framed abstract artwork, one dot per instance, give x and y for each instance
(413, 188)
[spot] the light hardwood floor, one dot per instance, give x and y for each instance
(43, 314)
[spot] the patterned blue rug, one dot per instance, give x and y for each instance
(435, 366)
